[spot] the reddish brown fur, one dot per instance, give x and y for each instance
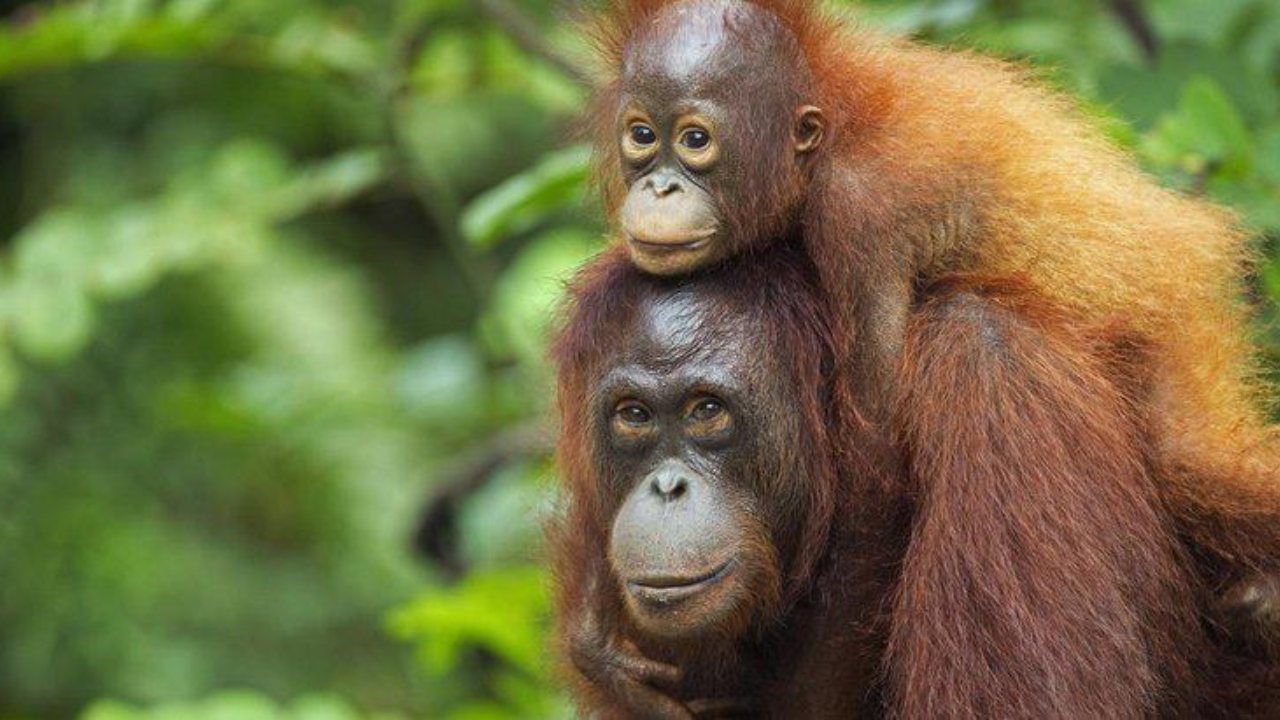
(1043, 579)
(799, 324)
(1037, 572)
(939, 162)
(1075, 500)
(782, 305)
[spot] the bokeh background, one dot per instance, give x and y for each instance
(275, 281)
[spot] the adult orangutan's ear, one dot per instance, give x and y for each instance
(810, 126)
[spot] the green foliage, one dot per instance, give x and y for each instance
(235, 705)
(1204, 133)
(225, 383)
(502, 612)
(523, 201)
(270, 273)
(525, 299)
(70, 257)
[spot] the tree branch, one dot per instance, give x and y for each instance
(1134, 19)
(528, 37)
(436, 536)
(430, 190)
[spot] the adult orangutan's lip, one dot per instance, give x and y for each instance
(692, 241)
(667, 589)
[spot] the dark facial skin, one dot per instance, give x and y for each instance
(712, 119)
(681, 426)
(702, 502)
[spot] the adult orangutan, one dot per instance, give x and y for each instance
(733, 539)
(726, 126)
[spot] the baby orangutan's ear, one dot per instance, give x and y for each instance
(809, 128)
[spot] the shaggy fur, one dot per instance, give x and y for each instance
(1040, 475)
(939, 161)
(1006, 553)
(1043, 578)
(781, 306)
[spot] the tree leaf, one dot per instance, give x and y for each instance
(525, 298)
(9, 375)
(52, 317)
(1269, 154)
(1205, 132)
(520, 202)
(335, 180)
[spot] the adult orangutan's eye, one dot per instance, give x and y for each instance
(706, 409)
(695, 139)
(707, 418)
(642, 134)
(633, 413)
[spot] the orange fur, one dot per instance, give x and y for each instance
(941, 161)
(1010, 556)
(1043, 578)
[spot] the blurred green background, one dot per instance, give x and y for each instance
(275, 277)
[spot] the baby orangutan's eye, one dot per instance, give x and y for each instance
(642, 134)
(695, 139)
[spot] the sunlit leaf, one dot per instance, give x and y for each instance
(1269, 154)
(58, 244)
(109, 710)
(520, 202)
(446, 65)
(469, 143)
(246, 175)
(52, 316)
(326, 43)
(322, 707)
(1258, 201)
(334, 180)
(231, 705)
(526, 296)
(917, 17)
(67, 34)
(1205, 133)
(499, 610)
(67, 259)
(1205, 21)
(8, 375)
(131, 253)
(1144, 93)
(191, 10)
(443, 379)
(502, 524)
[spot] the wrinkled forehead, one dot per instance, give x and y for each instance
(686, 325)
(711, 48)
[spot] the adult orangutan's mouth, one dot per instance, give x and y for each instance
(678, 243)
(668, 589)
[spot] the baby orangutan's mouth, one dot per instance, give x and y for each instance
(664, 589)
